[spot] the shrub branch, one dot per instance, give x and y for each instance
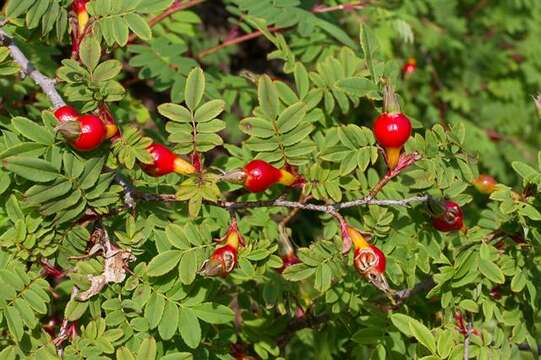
(326, 208)
(46, 84)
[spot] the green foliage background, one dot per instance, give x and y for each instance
(305, 96)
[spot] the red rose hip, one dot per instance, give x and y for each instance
(409, 67)
(66, 113)
(260, 175)
(451, 219)
(92, 133)
(79, 7)
(288, 260)
(165, 162)
(84, 134)
(391, 131)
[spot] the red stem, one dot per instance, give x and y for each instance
(176, 6)
(235, 41)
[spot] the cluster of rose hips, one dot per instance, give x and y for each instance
(392, 129)
(88, 132)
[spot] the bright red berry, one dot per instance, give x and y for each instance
(451, 219)
(485, 184)
(409, 67)
(391, 131)
(92, 133)
(260, 175)
(66, 113)
(165, 162)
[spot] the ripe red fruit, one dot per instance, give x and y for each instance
(66, 113)
(391, 131)
(451, 219)
(260, 175)
(92, 133)
(165, 162)
(485, 184)
(84, 134)
(409, 67)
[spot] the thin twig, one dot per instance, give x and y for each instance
(467, 340)
(402, 295)
(303, 199)
(357, 5)
(405, 161)
(175, 7)
(327, 208)
(318, 9)
(236, 40)
(46, 84)
(63, 333)
(129, 191)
